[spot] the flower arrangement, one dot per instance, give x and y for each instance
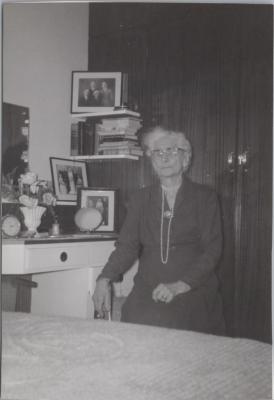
(34, 192)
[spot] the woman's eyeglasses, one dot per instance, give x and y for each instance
(169, 152)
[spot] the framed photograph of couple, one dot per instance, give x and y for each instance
(104, 200)
(67, 176)
(95, 91)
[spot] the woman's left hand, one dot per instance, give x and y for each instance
(166, 292)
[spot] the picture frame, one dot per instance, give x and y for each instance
(67, 176)
(95, 91)
(105, 200)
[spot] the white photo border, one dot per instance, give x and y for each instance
(89, 76)
(63, 164)
(108, 196)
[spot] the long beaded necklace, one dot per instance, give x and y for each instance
(167, 214)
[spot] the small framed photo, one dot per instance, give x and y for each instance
(95, 91)
(105, 200)
(67, 177)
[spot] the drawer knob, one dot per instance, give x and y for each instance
(64, 256)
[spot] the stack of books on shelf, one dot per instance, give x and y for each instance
(81, 138)
(118, 136)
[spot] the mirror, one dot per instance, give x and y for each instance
(15, 145)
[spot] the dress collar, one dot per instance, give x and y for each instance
(156, 194)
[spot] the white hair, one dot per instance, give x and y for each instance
(157, 132)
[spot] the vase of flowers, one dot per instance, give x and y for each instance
(36, 196)
(32, 218)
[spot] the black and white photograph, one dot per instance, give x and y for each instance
(149, 127)
(95, 91)
(105, 201)
(67, 177)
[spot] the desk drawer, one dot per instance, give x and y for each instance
(56, 257)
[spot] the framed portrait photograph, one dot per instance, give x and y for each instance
(104, 200)
(67, 177)
(95, 91)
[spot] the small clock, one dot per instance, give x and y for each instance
(11, 225)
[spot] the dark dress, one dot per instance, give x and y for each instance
(195, 248)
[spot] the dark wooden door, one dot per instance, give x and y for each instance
(207, 70)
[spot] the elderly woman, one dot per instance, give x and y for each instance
(173, 227)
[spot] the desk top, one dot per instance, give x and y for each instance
(66, 238)
(63, 252)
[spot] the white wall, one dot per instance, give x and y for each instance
(42, 45)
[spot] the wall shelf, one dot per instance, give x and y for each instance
(120, 113)
(114, 113)
(104, 157)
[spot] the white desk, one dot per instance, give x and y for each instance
(65, 269)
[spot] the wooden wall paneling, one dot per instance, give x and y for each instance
(179, 72)
(222, 148)
(128, 40)
(122, 174)
(253, 265)
(201, 99)
(201, 73)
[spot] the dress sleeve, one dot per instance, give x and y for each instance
(211, 241)
(128, 244)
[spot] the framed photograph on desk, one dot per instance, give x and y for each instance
(95, 91)
(67, 177)
(104, 200)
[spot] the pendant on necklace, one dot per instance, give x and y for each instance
(168, 214)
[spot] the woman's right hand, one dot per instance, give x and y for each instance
(102, 297)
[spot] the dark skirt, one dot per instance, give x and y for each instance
(198, 310)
